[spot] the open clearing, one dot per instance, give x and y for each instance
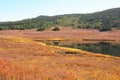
(23, 58)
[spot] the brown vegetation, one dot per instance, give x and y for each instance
(23, 58)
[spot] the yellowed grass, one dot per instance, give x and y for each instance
(25, 59)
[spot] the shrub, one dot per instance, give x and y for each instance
(1, 29)
(105, 29)
(56, 29)
(22, 28)
(41, 29)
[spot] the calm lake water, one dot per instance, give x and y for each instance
(101, 47)
(97, 47)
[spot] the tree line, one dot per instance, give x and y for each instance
(103, 21)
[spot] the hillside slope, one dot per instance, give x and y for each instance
(104, 20)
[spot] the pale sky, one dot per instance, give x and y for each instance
(11, 10)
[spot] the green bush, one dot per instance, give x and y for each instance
(56, 29)
(1, 29)
(41, 29)
(105, 29)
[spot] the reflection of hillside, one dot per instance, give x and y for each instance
(110, 48)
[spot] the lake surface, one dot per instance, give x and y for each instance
(101, 47)
(108, 48)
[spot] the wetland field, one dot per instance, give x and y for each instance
(79, 54)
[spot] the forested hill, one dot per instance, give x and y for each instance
(104, 20)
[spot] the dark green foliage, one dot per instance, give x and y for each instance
(104, 21)
(41, 29)
(105, 29)
(1, 29)
(56, 29)
(22, 28)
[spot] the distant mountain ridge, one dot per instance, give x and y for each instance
(103, 20)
